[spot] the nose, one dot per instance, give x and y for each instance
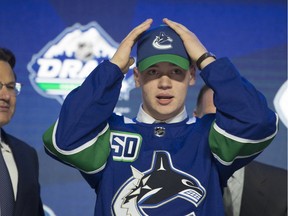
(164, 82)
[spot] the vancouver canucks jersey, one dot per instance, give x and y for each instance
(160, 169)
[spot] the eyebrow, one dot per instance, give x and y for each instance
(11, 82)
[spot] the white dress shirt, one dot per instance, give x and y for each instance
(234, 189)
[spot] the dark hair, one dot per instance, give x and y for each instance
(8, 56)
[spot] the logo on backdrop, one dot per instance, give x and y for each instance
(48, 211)
(66, 61)
(280, 103)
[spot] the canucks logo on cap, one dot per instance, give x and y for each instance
(161, 44)
(162, 41)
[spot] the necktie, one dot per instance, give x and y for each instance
(6, 191)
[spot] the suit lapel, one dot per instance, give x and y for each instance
(253, 190)
(20, 164)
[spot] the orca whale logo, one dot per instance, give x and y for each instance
(155, 188)
(162, 42)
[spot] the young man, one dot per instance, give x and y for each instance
(19, 168)
(161, 162)
(251, 186)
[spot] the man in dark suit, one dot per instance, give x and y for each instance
(18, 160)
(264, 190)
(257, 188)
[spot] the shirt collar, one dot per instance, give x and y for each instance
(142, 116)
(3, 145)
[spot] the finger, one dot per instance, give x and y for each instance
(122, 54)
(129, 41)
(181, 30)
(192, 44)
(174, 25)
(134, 34)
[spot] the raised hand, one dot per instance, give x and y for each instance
(122, 56)
(192, 44)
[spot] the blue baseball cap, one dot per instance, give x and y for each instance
(161, 44)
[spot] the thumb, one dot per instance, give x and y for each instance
(130, 63)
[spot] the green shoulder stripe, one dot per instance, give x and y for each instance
(89, 158)
(227, 148)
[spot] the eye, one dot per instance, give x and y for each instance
(152, 72)
(177, 71)
(188, 183)
(10, 86)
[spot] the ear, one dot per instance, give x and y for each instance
(136, 77)
(192, 78)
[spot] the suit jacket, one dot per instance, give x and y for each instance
(264, 191)
(28, 201)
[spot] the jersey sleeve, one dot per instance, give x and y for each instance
(80, 136)
(244, 125)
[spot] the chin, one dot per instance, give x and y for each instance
(164, 115)
(4, 121)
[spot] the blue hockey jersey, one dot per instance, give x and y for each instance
(138, 168)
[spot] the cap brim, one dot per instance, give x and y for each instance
(174, 59)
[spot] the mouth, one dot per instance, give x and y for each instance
(4, 108)
(164, 99)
